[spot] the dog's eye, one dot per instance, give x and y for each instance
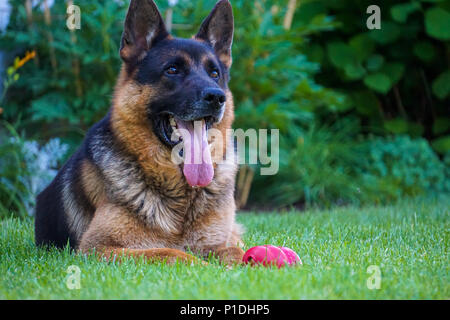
(172, 70)
(214, 74)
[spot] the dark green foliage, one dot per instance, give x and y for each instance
(14, 191)
(25, 170)
(400, 166)
(315, 168)
(396, 78)
(62, 100)
(326, 83)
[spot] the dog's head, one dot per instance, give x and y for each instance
(188, 77)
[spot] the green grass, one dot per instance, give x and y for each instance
(408, 241)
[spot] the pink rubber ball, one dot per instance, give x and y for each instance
(268, 255)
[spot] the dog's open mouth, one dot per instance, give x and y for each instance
(197, 167)
(170, 124)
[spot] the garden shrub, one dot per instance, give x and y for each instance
(394, 77)
(316, 168)
(326, 83)
(26, 168)
(401, 166)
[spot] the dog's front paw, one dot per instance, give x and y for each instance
(230, 255)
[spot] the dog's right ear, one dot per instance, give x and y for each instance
(217, 29)
(143, 27)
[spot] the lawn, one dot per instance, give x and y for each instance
(407, 241)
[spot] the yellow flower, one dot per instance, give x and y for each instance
(18, 63)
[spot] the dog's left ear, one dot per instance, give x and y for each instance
(217, 30)
(143, 27)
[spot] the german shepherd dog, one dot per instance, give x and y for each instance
(121, 193)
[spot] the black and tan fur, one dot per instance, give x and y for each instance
(120, 192)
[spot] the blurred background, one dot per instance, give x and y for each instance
(363, 114)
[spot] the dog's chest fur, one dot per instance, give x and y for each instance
(171, 213)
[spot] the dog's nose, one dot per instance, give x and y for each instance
(214, 97)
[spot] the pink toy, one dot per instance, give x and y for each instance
(291, 255)
(271, 255)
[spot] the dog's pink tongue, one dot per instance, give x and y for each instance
(198, 168)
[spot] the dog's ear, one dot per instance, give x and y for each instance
(217, 30)
(143, 27)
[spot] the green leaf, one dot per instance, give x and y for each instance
(362, 46)
(400, 12)
(415, 129)
(10, 71)
(442, 145)
(378, 82)
(396, 126)
(315, 53)
(394, 70)
(340, 54)
(374, 62)
(52, 106)
(388, 33)
(366, 103)
(437, 23)
(354, 71)
(309, 10)
(441, 125)
(424, 50)
(441, 85)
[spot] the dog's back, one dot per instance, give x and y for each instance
(53, 223)
(51, 226)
